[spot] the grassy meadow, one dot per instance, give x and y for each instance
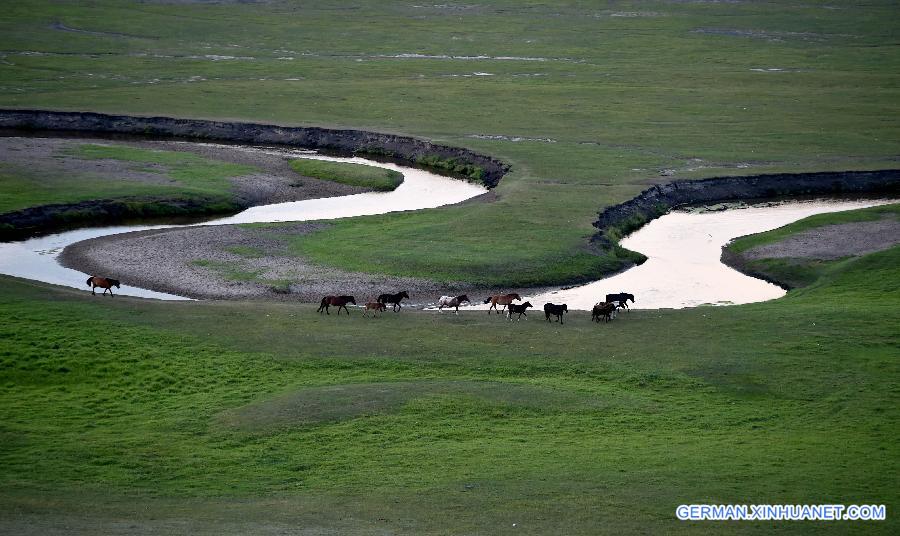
(134, 416)
(429, 423)
(177, 176)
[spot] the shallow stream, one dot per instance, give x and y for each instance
(683, 247)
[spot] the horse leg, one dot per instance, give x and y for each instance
(93, 290)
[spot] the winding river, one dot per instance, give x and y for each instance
(683, 247)
(36, 258)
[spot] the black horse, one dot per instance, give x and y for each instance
(620, 299)
(551, 309)
(393, 299)
(518, 308)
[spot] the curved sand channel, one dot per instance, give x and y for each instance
(37, 258)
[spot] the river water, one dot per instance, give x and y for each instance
(683, 247)
(36, 258)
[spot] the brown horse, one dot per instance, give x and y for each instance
(377, 306)
(501, 299)
(337, 301)
(102, 282)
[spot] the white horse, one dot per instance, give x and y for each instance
(452, 301)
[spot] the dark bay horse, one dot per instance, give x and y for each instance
(102, 282)
(621, 299)
(452, 301)
(551, 309)
(337, 301)
(518, 308)
(501, 299)
(604, 310)
(393, 299)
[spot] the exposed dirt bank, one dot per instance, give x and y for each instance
(406, 150)
(239, 262)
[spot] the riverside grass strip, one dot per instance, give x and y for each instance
(380, 179)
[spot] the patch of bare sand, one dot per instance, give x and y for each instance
(833, 241)
(235, 262)
(231, 262)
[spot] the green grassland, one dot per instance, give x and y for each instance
(189, 177)
(379, 179)
(429, 423)
(122, 415)
(604, 100)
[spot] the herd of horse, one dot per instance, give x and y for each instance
(501, 303)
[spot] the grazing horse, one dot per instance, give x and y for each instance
(501, 299)
(621, 299)
(338, 301)
(102, 282)
(394, 299)
(376, 305)
(518, 308)
(606, 310)
(555, 310)
(451, 301)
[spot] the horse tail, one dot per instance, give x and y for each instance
(488, 299)
(89, 280)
